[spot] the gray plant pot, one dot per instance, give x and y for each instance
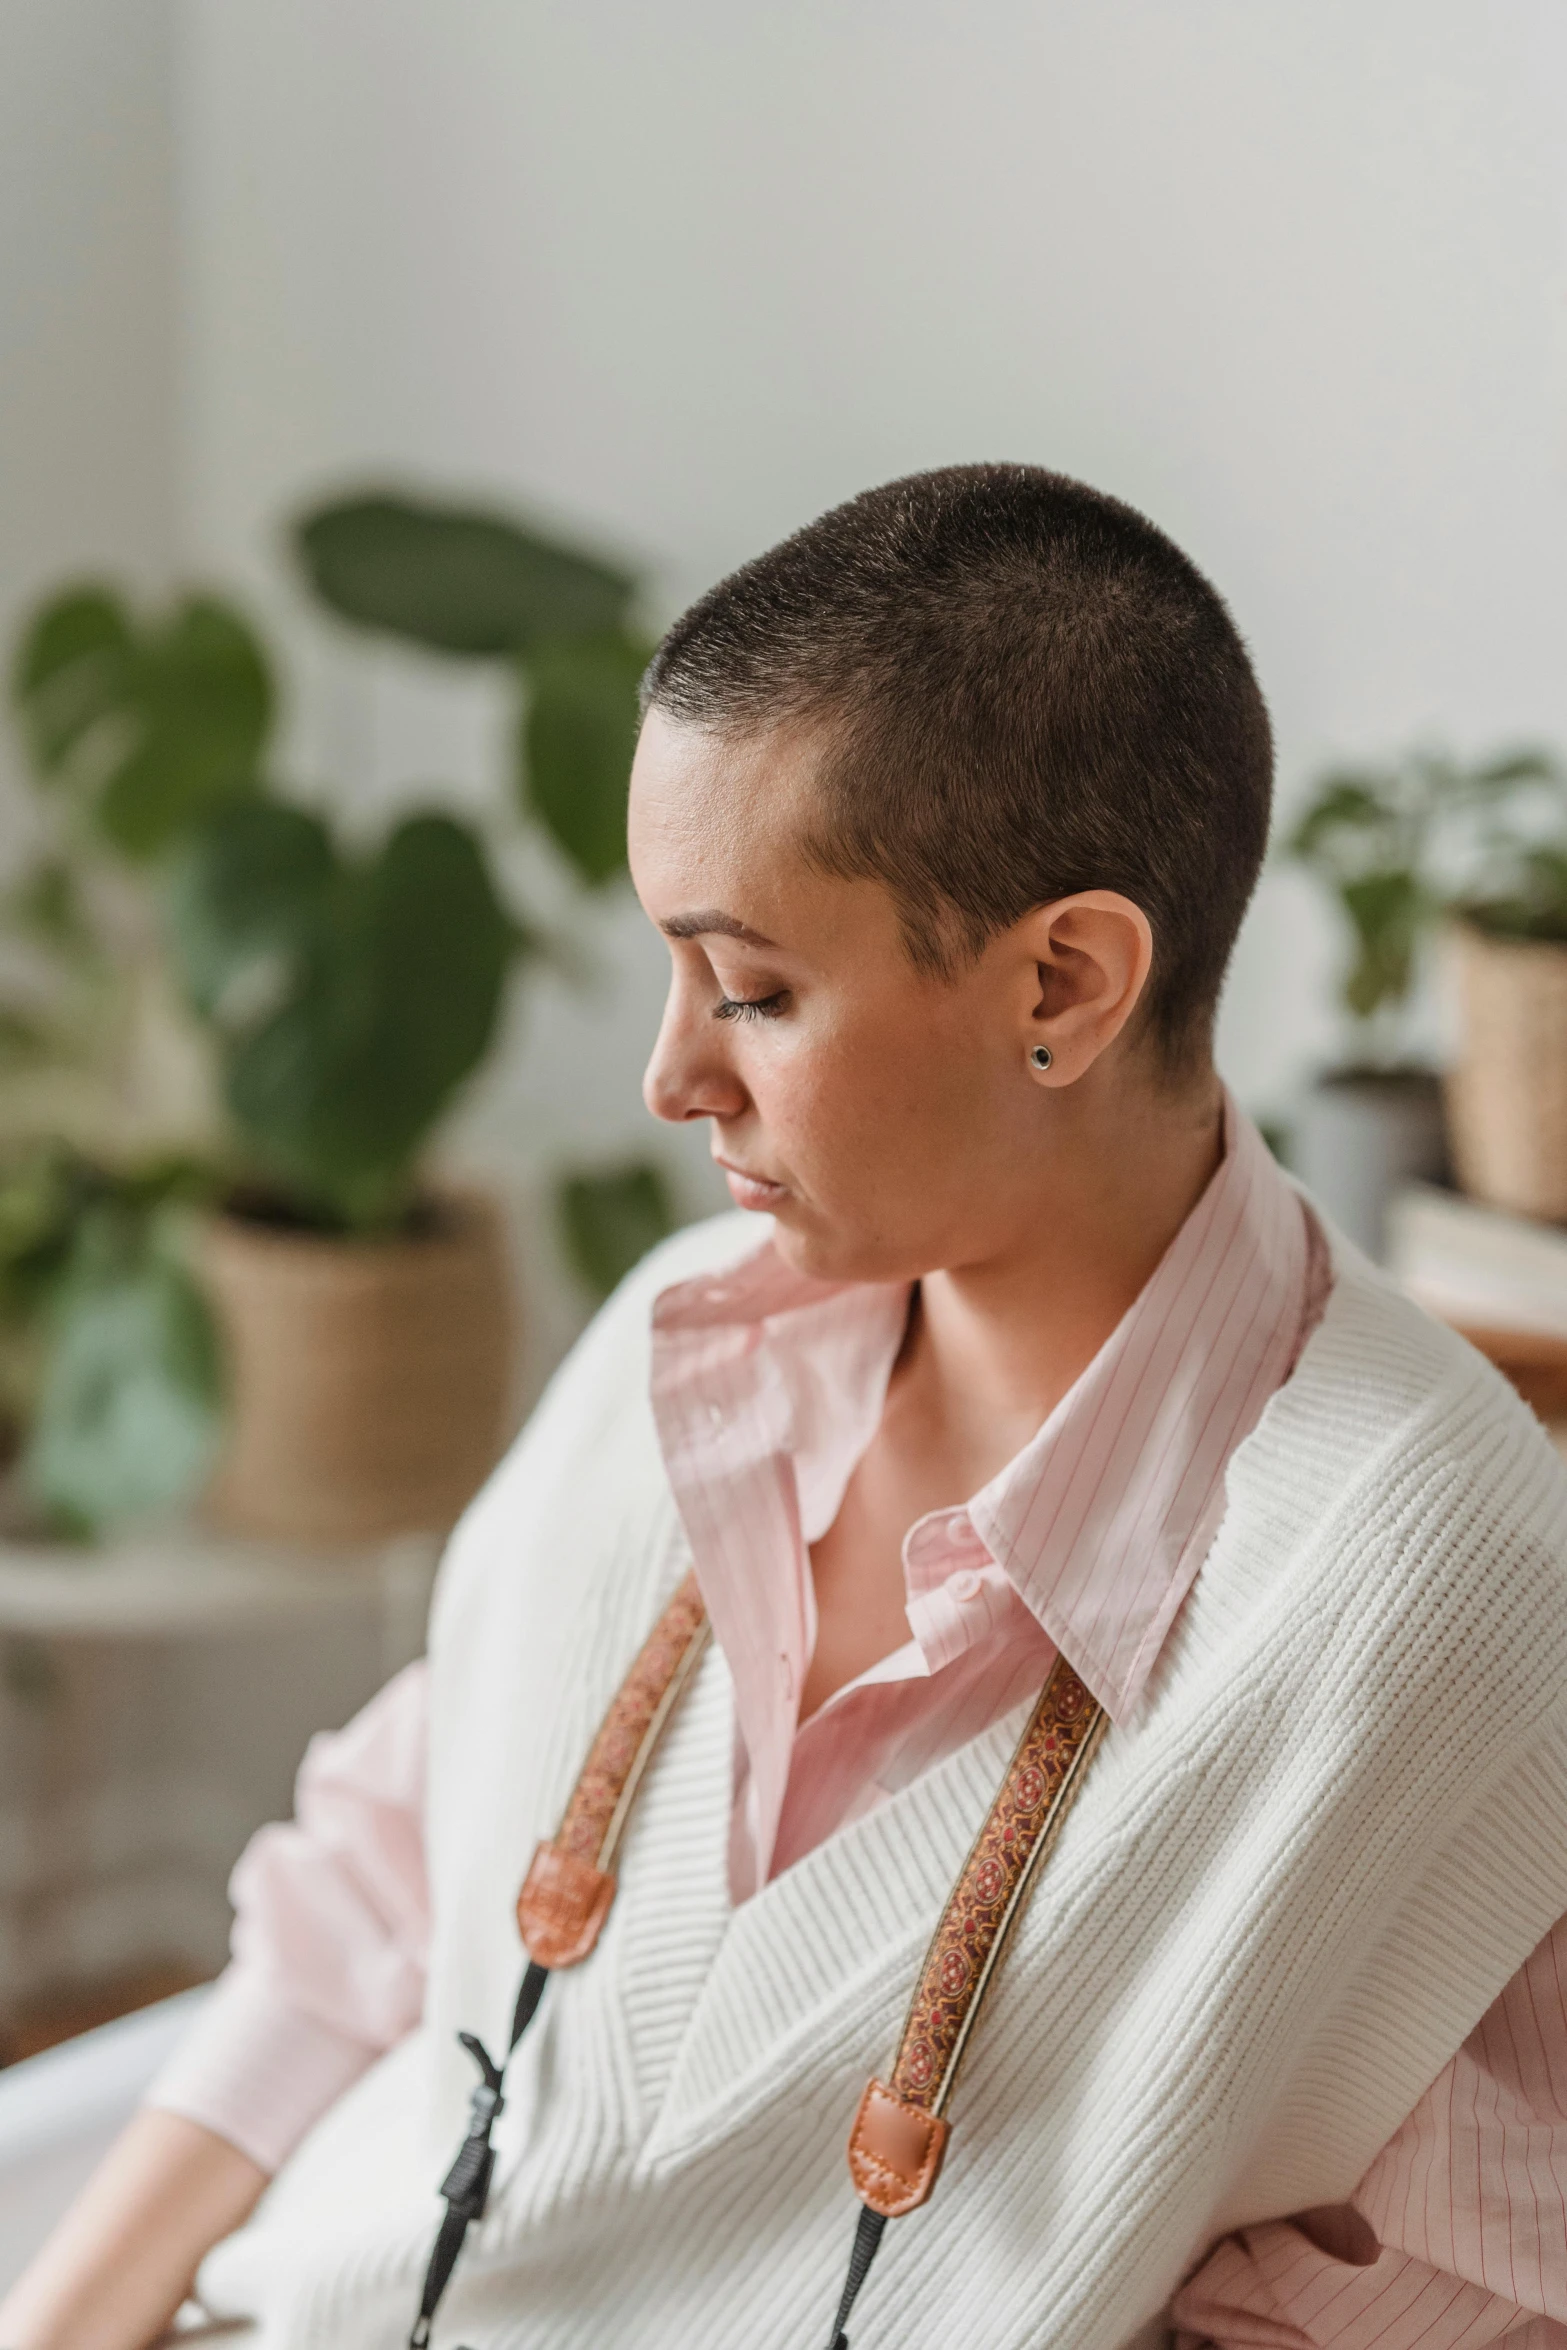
(1359, 1135)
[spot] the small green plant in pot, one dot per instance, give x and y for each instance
(346, 995)
(1396, 847)
(350, 997)
(1507, 1088)
(345, 998)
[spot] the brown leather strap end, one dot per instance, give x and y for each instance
(562, 1907)
(895, 2152)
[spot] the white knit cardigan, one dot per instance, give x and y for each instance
(1288, 1891)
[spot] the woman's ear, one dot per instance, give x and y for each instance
(1091, 955)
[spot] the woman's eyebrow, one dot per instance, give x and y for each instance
(710, 920)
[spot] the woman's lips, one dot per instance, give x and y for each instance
(752, 1191)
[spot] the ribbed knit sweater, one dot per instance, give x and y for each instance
(1288, 1891)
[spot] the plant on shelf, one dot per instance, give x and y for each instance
(110, 1379)
(1400, 847)
(1404, 850)
(1507, 1088)
(343, 994)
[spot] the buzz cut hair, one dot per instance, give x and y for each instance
(1022, 689)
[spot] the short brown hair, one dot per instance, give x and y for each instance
(1026, 689)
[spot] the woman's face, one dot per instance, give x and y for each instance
(888, 1120)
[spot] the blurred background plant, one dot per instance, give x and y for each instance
(472, 585)
(1401, 847)
(110, 1380)
(1403, 850)
(323, 1002)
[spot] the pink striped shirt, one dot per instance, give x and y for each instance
(766, 1391)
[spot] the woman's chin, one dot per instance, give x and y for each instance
(819, 1251)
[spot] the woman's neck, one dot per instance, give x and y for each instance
(995, 1345)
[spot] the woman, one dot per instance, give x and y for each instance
(949, 809)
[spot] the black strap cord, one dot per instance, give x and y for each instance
(466, 2187)
(867, 2239)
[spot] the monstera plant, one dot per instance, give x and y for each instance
(561, 626)
(346, 993)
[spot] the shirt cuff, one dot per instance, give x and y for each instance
(257, 2070)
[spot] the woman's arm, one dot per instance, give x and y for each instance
(331, 1926)
(126, 2253)
(331, 1923)
(1457, 2234)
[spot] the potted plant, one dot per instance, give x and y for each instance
(1396, 847)
(1507, 1088)
(344, 996)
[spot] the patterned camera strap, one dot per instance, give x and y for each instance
(900, 2130)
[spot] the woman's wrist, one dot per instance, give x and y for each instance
(124, 2257)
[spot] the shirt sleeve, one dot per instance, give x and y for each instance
(1456, 2236)
(330, 1940)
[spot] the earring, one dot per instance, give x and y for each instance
(1041, 1056)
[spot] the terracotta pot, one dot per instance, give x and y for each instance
(1507, 1093)
(370, 1379)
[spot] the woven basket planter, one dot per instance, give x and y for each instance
(1507, 1093)
(370, 1379)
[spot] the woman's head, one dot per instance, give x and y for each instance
(981, 758)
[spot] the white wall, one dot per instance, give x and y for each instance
(1289, 278)
(87, 299)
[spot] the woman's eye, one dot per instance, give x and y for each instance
(754, 1007)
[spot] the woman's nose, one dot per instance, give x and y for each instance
(689, 1074)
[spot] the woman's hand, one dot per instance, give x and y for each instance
(125, 2255)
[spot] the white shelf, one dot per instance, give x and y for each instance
(192, 1581)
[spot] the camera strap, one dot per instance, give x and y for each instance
(900, 2129)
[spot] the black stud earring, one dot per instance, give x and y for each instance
(1041, 1056)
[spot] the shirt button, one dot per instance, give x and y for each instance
(715, 1415)
(966, 1584)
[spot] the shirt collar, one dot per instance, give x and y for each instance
(1102, 1520)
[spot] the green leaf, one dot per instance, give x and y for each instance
(46, 905)
(578, 737)
(252, 884)
(74, 667)
(151, 728)
(26, 1041)
(1386, 911)
(387, 982)
(44, 1192)
(1520, 766)
(611, 1219)
(1352, 805)
(457, 579)
(130, 1410)
(203, 710)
